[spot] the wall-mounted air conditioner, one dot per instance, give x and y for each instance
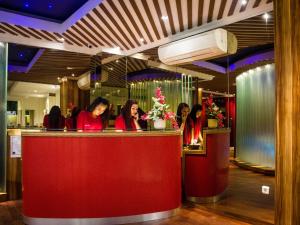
(84, 82)
(212, 44)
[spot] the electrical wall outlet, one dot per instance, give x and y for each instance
(265, 189)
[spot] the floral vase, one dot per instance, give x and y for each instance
(160, 124)
(212, 123)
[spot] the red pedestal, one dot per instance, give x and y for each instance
(206, 174)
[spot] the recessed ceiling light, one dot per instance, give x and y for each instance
(266, 16)
(50, 6)
(21, 55)
(142, 40)
(73, 75)
(164, 17)
(117, 61)
(244, 2)
(111, 68)
(69, 68)
(26, 4)
(60, 39)
(58, 78)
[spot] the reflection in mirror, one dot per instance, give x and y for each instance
(109, 81)
(145, 76)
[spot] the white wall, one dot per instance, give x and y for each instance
(30, 103)
(52, 101)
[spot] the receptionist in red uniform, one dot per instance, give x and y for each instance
(96, 116)
(128, 119)
(192, 130)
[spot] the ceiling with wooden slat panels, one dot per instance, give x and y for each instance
(53, 64)
(136, 25)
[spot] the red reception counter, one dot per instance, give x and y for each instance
(205, 171)
(100, 178)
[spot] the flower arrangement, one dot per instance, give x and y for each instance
(160, 109)
(214, 112)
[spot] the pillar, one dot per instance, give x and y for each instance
(3, 119)
(68, 94)
(287, 60)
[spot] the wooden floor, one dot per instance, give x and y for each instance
(243, 204)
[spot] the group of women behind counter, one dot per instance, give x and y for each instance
(96, 117)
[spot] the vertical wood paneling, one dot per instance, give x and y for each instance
(232, 7)
(190, 13)
(287, 57)
(179, 12)
(169, 12)
(211, 10)
(221, 10)
(200, 12)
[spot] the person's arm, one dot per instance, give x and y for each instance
(183, 122)
(136, 123)
(200, 138)
(192, 137)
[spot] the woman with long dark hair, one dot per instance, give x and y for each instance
(96, 116)
(128, 119)
(183, 110)
(192, 130)
(71, 122)
(54, 120)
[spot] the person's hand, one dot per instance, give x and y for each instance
(136, 117)
(183, 117)
(195, 142)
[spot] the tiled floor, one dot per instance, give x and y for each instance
(243, 204)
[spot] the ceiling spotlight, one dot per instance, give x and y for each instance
(60, 39)
(244, 2)
(58, 78)
(117, 61)
(73, 75)
(69, 68)
(111, 68)
(142, 40)
(26, 4)
(50, 6)
(164, 18)
(266, 16)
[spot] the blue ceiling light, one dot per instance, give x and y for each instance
(26, 4)
(50, 6)
(21, 55)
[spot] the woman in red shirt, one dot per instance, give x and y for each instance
(96, 116)
(128, 119)
(192, 130)
(54, 120)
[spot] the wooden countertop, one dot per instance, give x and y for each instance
(110, 133)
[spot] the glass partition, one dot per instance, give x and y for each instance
(3, 116)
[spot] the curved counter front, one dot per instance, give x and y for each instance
(206, 171)
(100, 178)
